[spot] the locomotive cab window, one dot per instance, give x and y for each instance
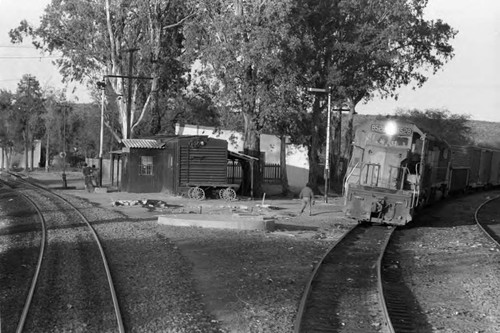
(146, 166)
(394, 141)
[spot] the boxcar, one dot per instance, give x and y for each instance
(394, 168)
(177, 164)
(197, 165)
(495, 168)
(467, 157)
(485, 167)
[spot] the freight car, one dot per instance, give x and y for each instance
(395, 167)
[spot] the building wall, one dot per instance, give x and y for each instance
(297, 164)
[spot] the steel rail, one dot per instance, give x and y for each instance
(476, 213)
(380, 288)
(307, 291)
(34, 281)
(119, 319)
(298, 326)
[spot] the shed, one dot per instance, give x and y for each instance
(142, 165)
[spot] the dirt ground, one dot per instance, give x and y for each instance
(246, 280)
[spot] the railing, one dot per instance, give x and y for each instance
(271, 173)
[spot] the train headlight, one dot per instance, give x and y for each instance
(391, 128)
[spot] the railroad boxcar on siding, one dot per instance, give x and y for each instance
(394, 168)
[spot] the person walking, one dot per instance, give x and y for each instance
(306, 195)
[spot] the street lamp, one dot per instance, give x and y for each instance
(327, 155)
(102, 86)
(65, 183)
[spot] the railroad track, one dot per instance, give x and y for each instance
(71, 288)
(486, 217)
(345, 293)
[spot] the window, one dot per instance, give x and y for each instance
(146, 167)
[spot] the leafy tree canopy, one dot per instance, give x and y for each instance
(452, 128)
(95, 38)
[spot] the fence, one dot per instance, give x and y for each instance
(271, 173)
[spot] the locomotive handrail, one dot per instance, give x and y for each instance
(347, 179)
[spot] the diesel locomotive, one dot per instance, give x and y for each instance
(397, 167)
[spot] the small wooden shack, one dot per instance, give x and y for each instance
(176, 164)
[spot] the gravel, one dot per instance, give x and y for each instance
(181, 279)
(452, 269)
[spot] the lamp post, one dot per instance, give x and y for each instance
(327, 154)
(65, 183)
(102, 86)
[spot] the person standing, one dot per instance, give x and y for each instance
(306, 196)
(87, 174)
(95, 176)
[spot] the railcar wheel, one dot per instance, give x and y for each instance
(198, 193)
(229, 194)
(190, 193)
(221, 193)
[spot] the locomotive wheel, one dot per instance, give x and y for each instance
(229, 194)
(198, 193)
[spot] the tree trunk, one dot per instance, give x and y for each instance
(26, 151)
(335, 173)
(251, 147)
(284, 176)
(314, 147)
(47, 150)
(32, 162)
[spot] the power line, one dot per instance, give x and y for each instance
(29, 57)
(17, 47)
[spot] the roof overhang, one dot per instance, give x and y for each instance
(233, 155)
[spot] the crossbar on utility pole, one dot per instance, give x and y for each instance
(130, 78)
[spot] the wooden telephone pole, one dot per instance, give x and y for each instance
(129, 88)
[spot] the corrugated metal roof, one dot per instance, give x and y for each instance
(142, 143)
(236, 155)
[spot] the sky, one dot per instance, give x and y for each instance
(469, 84)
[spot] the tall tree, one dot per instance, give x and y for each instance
(239, 41)
(7, 133)
(363, 47)
(113, 30)
(453, 128)
(26, 114)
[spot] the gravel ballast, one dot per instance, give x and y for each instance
(185, 279)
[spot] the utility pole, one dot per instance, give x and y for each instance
(101, 85)
(328, 125)
(65, 183)
(129, 94)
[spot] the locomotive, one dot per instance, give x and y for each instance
(397, 167)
